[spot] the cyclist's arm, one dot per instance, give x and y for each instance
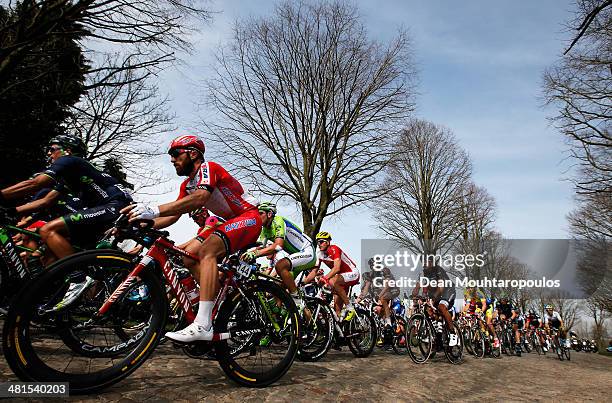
(364, 290)
(416, 289)
(27, 187)
(163, 222)
(186, 204)
(271, 249)
(48, 200)
(336, 269)
(384, 290)
(313, 273)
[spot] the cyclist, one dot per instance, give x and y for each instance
(207, 185)
(507, 311)
(443, 297)
(294, 250)
(490, 316)
(474, 299)
(532, 323)
(553, 318)
(48, 204)
(380, 284)
(101, 194)
(343, 274)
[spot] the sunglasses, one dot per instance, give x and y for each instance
(321, 241)
(54, 148)
(175, 152)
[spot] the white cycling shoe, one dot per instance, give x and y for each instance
(453, 340)
(191, 333)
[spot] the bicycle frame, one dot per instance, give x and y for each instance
(9, 250)
(158, 253)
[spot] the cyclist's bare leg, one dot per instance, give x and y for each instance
(517, 334)
(338, 284)
(283, 268)
(447, 316)
(54, 234)
(192, 246)
(490, 326)
(209, 252)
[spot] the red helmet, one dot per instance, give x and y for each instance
(193, 142)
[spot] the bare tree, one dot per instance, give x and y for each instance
(600, 315)
(419, 199)
(123, 121)
(588, 10)
(149, 32)
(306, 103)
(579, 85)
(567, 308)
(476, 213)
(592, 220)
(591, 228)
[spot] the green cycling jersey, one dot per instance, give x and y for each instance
(294, 239)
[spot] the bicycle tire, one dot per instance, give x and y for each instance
(454, 354)
(361, 347)
(321, 337)
(397, 347)
(419, 338)
(17, 345)
(477, 342)
(230, 362)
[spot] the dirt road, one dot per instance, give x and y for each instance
(385, 377)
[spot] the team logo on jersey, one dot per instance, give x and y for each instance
(240, 224)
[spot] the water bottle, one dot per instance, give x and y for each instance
(190, 287)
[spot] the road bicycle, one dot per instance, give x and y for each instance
(426, 334)
(74, 301)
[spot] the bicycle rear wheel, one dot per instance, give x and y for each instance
(48, 338)
(268, 340)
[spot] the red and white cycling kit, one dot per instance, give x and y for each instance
(229, 201)
(348, 268)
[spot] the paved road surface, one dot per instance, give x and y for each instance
(383, 377)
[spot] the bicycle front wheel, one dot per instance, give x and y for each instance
(263, 323)
(52, 332)
(419, 338)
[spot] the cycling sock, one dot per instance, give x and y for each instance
(204, 313)
(388, 321)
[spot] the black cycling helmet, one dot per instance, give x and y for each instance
(69, 141)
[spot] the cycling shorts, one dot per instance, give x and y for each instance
(240, 231)
(447, 298)
(300, 261)
(88, 225)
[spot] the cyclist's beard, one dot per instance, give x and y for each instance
(187, 169)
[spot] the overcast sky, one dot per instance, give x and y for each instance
(480, 73)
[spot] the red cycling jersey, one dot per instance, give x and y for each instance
(332, 253)
(228, 198)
